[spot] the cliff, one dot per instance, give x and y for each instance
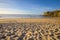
(55, 13)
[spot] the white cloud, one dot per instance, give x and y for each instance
(13, 11)
(7, 5)
(5, 8)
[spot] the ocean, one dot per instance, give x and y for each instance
(20, 16)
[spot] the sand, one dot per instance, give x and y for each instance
(30, 29)
(52, 20)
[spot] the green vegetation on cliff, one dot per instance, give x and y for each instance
(55, 13)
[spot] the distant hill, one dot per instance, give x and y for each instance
(55, 13)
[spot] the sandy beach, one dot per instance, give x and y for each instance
(52, 20)
(30, 29)
(29, 19)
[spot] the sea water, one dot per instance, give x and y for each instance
(20, 16)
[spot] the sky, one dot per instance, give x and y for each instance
(37, 7)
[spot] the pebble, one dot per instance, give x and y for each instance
(32, 31)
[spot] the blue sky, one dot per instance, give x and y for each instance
(28, 6)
